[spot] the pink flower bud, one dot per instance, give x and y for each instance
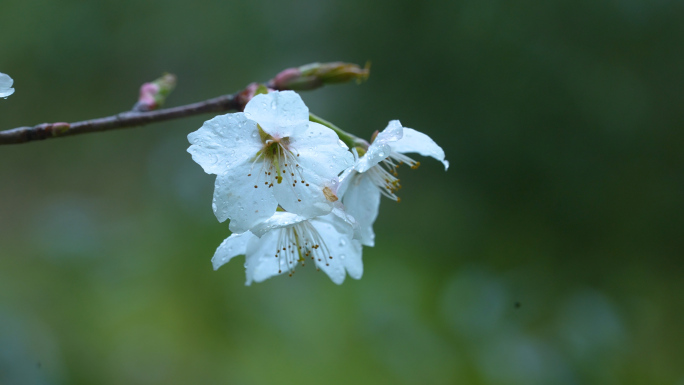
(315, 75)
(154, 94)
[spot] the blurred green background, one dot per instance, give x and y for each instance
(549, 253)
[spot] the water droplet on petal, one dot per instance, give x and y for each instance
(342, 257)
(342, 242)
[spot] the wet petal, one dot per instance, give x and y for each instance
(345, 179)
(236, 198)
(393, 132)
(345, 252)
(321, 152)
(261, 262)
(232, 246)
(414, 141)
(6, 85)
(278, 220)
(223, 142)
(304, 198)
(353, 262)
(380, 149)
(362, 201)
(279, 114)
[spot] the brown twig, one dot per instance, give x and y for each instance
(122, 120)
(126, 119)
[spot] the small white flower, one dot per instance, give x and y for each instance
(269, 155)
(374, 174)
(6, 85)
(277, 245)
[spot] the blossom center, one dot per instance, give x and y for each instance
(276, 160)
(297, 243)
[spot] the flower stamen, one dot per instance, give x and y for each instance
(298, 242)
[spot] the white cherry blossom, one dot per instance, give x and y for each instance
(6, 85)
(269, 155)
(374, 174)
(286, 240)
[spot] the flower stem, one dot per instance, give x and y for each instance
(349, 139)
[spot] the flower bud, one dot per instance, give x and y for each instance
(252, 90)
(315, 75)
(154, 94)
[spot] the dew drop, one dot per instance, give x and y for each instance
(342, 256)
(342, 242)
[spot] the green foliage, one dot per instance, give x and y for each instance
(562, 122)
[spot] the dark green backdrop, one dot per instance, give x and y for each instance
(549, 253)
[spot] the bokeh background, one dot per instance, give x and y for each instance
(549, 253)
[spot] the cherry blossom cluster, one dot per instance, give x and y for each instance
(297, 191)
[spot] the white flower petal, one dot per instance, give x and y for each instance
(343, 215)
(261, 262)
(338, 237)
(414, 141)
(376, 153)
(345, 178)
(380, 149)
(232, 246)
(223, 142)
(6, 85)
(278, 220)
(236, 198)
(321, 152)
(318, 158)
(362, 201)
(353, 262)
(393, 132)
(306, 199)
(279, 114)
(287, 238)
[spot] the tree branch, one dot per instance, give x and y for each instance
(121, 120)
(231, 102)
